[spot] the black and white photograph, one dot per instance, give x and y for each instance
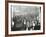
(25, 18)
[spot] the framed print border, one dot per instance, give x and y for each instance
(6, 17)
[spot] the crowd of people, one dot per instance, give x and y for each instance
(21, 23)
